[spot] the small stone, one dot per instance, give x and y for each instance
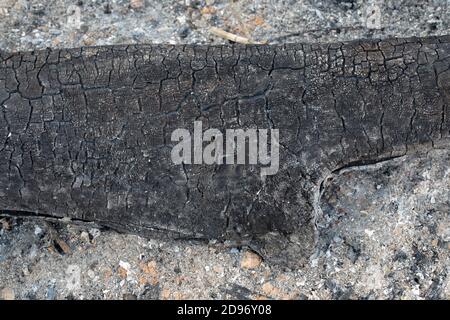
(123, 269)
(107, 273)
(369, 232)
(73, 277)
(149, 267)
(107, 9)
(122, 272)
(250, 260)
(50, 293)
(129, 296)
(136, 4)
(218, 269)
(26, 271)
(94, 232)
(84, 236)
(142, 280)
(182, 19)
(258, 21)
(234, 250)
(89, 41)
(150, 292)
(165, 294)
(5, 224)
(7, 294)
(207, 10)
(150, 272)
(91, 274)
(184, 31)
(178, 296)
(269, 290)
(84, 28)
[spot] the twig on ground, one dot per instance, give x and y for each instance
(60, 245)
(232, 37)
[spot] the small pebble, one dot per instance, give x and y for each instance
(7, 294)
(84, 236)
(129, 296)
(136, 4)
(94, 233)
(250, 260)
(107, 9)
(184, 31)
(234, 250)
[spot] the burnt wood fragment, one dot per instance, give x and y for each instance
(86, 133)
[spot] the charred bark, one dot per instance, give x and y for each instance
(86, 133)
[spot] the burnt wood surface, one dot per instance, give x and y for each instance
(86, 133)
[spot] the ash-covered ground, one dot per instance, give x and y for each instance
(385, 229)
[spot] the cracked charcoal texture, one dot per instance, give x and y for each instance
(85, 133)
